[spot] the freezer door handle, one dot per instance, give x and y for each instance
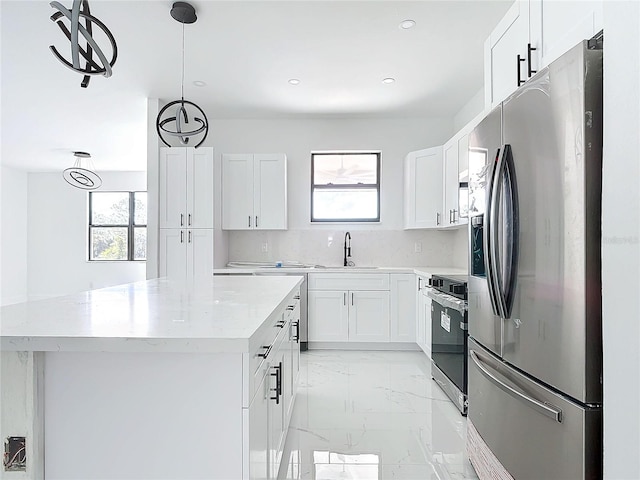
(488, 239)
(544, 408)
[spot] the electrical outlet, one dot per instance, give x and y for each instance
(417, 247)
(265, 247)
(15, 454)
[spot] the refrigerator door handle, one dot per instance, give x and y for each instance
(545, 409)
(504, 266)
(490, 238)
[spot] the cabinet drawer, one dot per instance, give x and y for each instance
(348, 281)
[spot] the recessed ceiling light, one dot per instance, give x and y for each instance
(388, 80)
(407, 24)
(199, 83)
(294, 81)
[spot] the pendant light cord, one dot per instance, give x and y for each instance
(182, 89)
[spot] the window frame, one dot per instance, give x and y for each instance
(347, 186)
(131, 227)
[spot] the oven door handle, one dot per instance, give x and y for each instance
(447, 301)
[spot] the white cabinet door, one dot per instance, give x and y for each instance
(270, 191)
(237, 192)
(276, 408)
(423, 188)
(172, 253)
(403, 308)
(368, 316)
(173, 187)
(508, 40)
(566, 23)
(451, 183)
(328, 316)
(426, 311)
(199, 253)
(259, 433)
(199, 190)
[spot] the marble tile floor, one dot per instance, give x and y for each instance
(373, 416)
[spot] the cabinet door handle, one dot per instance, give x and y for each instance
(344, 298)
(419, 283)
(278, 389)
(256, 221)
(249, 221)
(182, 219)
(189, 220)
(265, 354)
(181, 236)
(455, 213)
(189, 236)
(296, 336)
(520, 60)
(437, 218)
(529, 50)
(352, 294)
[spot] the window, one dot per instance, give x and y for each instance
(345, 187)
(117, 226)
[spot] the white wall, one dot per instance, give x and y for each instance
(469, 111)
(57, 242)
(13, 236)
(620, 240)
(297, 138)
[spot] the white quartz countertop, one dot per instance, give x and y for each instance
(220, 314)
(423, 270)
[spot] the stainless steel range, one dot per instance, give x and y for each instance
(449, 336)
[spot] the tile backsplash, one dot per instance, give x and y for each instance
(385, 248)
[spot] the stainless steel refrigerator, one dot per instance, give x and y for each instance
(535, 324)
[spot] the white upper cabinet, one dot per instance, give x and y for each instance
(186, 187)
(531, 35)
(451, 184)
(423, 192)
(254, 191)
(506, 54)
(566, 23)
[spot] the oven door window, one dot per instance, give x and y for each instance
(448, 343)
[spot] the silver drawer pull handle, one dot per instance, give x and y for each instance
(546, 409)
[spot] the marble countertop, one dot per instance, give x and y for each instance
(220, 314)
(422, 270)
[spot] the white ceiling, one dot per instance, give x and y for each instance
(245, 52)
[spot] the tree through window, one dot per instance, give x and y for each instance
(117, 226)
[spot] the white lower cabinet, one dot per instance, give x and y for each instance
(269, 412)
(186, 253)
(259, 433)
(423, 317)
(348, 316)
(349, 307)
(403, 308)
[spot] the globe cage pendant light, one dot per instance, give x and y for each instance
(182, 12)
(82, 174)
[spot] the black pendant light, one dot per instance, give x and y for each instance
(189, 120)
(93, 66)
(82, 174)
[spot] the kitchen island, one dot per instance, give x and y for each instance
(157, 379)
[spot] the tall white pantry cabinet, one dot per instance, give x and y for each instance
(186, 212)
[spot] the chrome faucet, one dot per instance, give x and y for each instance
(347, 248)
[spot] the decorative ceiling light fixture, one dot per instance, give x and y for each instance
(91, 66)
(183, 13)
(82, 177)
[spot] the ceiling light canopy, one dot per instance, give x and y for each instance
(189, 120)
(407, 24)
(199, 83)
(388, 80)
(82, 175)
